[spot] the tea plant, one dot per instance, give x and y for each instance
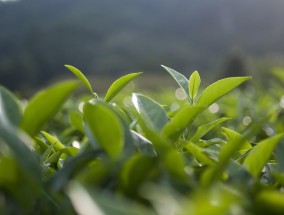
(93, 155)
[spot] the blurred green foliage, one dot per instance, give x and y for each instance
(192, 150)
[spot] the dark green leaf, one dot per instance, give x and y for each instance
(152, 113)
(20, 145)
(12, 107)
(235, 142)
(71, 168)
(145, 146)
(279, 155)
(135, 171)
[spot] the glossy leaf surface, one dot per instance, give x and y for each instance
(180, 79)
(151, 112)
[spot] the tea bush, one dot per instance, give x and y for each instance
(207, 152)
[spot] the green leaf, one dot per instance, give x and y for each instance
(47, 153)
(235, 142)
(119, 84)
(175, 164)
(135, 171)
(54, 157)
(172, 160)
(260, 154)
(20, 145)
(43, 106)
(11, 105)
(8, 171)
(81, 76)
(194, 83)
(218, 89)
(144, 146)
(210, 142)
(71, 151)
(71, 168)
(41, 145)
(175, 127)
(204, 129)
(105, 126)
(53, 140)
(152, 113)
(270, 202)
(76, 120)
(180, 79)
(198, 153)
(231, 135)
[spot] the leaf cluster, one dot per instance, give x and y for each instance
(60, 155)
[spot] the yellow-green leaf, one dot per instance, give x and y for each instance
(81, 76)
(45, 104)
(260, 154)
(218, 89)
(53, 140)
(105, 128)
(119, 84)
(194, 83)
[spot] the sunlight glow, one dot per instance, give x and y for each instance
(76, 144)
(214, 108)
(247, 120)
(268, 130)
(6, 1)
(180, 94)
(281, 103)
(174, 107)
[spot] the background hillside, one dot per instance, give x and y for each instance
(115, 37)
